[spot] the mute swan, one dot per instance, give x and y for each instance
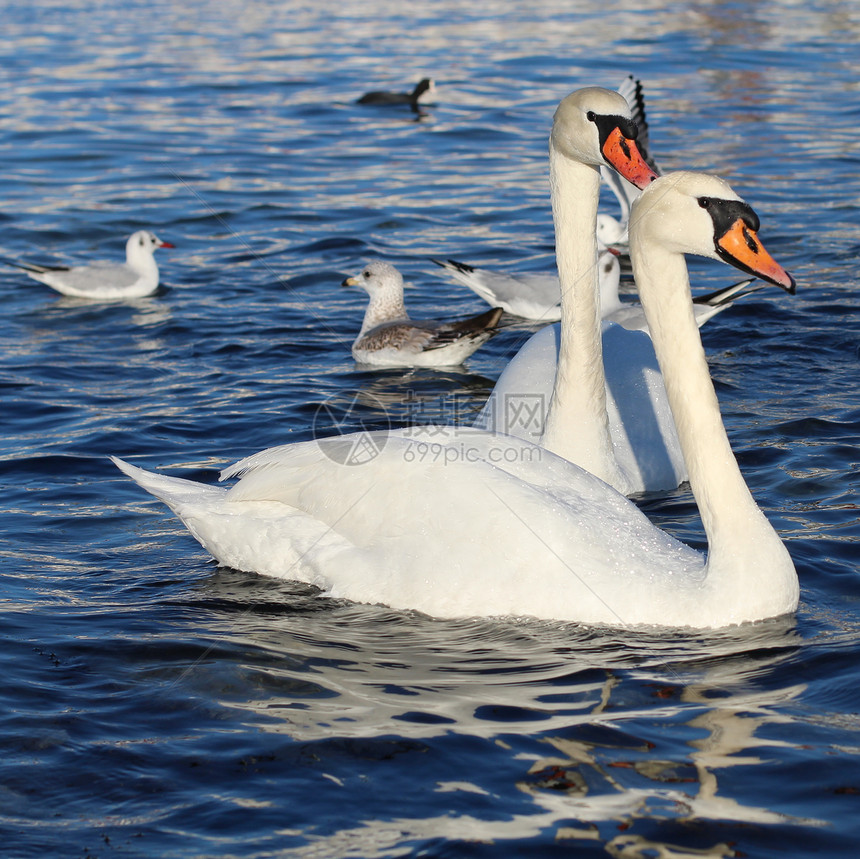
(465, 523)
(611, 416)
(104, 280)
(424, 90)
(538, 296)
(389, 338)
(610, 413)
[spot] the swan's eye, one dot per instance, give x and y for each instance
(591, 116)
(705, 202)
(366, 274)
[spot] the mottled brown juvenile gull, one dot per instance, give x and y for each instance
(389, 338)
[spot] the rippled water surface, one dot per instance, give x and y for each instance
(155, 705)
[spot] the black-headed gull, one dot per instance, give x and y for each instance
(389, 338)
(135, 278)
(531, 295)
(424, 90)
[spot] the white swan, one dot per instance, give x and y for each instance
(538, 296)
(389, 338)
(106, 281)
(465, 523)
(610, 413)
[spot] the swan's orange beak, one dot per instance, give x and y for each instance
(623, 154)
(740, 246)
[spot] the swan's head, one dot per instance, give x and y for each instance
(378, 278)
(143, 244)
(700, 214)
(594, 126)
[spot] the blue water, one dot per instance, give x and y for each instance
(155, 705)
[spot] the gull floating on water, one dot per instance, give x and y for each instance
(135, 278)
(389, 338)
(538, 296)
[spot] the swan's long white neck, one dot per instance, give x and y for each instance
(577, 425)
(747, 561)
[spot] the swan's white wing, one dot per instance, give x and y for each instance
(519, 402)
(641, 425)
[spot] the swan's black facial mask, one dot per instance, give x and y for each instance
(606, 124)
(617, 136)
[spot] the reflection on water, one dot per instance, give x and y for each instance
(563, 697)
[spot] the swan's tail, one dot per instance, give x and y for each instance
(266, 537)
(173, 491)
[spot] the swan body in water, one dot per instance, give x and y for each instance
(473, 523)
